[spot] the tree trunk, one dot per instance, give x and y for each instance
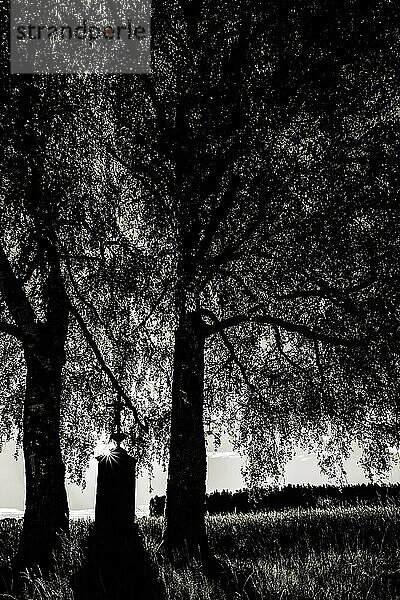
(46, 506)
(186, 488)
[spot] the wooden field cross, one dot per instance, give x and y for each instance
(117, 434)
(115, 494)
(115, 511)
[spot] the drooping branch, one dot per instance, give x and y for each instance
(152, 344)
(106, 369)
(324, 291)
(85, 300)
(145, 175)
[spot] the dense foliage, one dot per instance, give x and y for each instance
(78, 209)
(286, 143)
(277, 199)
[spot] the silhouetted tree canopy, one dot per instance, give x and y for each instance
(270, 146)
(228, 222)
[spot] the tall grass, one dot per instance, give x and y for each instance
(338, 553)
(347, 553)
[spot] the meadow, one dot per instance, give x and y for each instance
(328, 553)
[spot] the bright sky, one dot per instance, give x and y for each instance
(223, 473)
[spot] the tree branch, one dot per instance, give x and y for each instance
(106, 369)
(265, 319)
(229, 346)
(250, 294)
(84, 300)
(227, 254)
(326, 291)
(307, 332)
(148, 178)
(218, 215)
(153, 309)
(281, 351)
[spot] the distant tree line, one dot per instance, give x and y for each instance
(291, 496)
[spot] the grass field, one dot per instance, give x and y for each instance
(324, 554)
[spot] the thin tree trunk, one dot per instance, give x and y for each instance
(186, 488)
(46, 518)
(46, 515)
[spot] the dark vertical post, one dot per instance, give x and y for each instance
(116, 566)
(115, 496)
(115, 534)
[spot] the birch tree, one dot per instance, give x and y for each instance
(271, 184)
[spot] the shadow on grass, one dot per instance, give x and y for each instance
(114, 571)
